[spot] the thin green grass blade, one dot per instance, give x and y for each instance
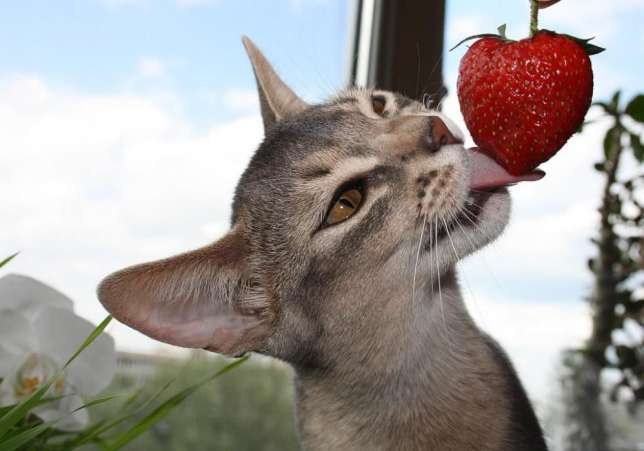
(154, 397)
(8, 259)
(31, 433)
(146, 422)
(90, 339)
(93, 432)
(24, 437)
(166, 407)
(132, 398)
(20, 410)
(5, 409)
(88, 434)
(95, 402)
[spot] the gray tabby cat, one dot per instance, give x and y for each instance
(346, 229)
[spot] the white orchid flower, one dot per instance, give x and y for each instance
(38, 333)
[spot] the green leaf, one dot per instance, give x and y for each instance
(604, 105)
(501, 29)
(166, 407)
(87, 435)
(95, 402)
(24, 437)
(614, 102)
(638, 147)
(132, 398)
(5, 409)
(90, 339)
(8, 259)
(635, 108)
(609, 139)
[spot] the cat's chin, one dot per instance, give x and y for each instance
(480, 221)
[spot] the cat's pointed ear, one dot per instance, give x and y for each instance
(200, 299)
(276, 99)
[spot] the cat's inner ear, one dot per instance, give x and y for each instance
(276, 99)
(200, 299)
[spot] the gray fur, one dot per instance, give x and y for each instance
(368, 311)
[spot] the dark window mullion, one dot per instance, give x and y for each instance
(406, 46)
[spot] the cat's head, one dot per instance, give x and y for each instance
(346, 208)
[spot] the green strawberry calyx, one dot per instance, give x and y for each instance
(590, 49)
(500, 35)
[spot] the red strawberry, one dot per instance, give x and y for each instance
(522, 100)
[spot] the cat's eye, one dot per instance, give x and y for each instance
(344, 206)
(378, 103)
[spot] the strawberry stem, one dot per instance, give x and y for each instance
(534, 17)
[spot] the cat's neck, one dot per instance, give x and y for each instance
(436, 384)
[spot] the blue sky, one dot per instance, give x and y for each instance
(94, 45)
(124, 125)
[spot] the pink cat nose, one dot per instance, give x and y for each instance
(439, 135)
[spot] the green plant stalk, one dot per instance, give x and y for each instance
(534, 17)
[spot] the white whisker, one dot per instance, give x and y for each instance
(420, 244)
(455, 218)
(450, 239)
(440, 293)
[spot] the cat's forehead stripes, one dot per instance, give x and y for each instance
(326, 169)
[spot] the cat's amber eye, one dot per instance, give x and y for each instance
(378, 103)
(346, 204)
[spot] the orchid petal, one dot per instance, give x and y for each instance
(59, 334)
(64, 410)
(17, 338)
(7, 395)
(28, 295)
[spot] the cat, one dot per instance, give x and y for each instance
(346, 228)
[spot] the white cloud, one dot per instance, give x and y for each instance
(150, 67)
(599, 18)
(93, 183)
(461, 27)
(241, 100)
(533, 334)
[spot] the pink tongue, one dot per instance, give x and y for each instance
(487, 173)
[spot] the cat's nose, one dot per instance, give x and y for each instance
(439, 135)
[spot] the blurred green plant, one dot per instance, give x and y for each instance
(617, 298)
(250, 410)
(20, 430)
